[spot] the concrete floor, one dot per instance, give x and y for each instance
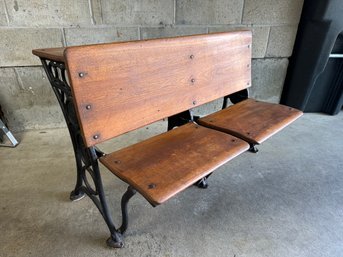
(284, 201)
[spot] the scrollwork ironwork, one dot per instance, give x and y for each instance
(86, 157)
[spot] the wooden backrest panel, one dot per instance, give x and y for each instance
(119, 87)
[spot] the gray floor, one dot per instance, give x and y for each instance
(284, 201)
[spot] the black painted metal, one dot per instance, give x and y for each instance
(179, 119)
(86, 157)
(320, 25)
(238, 97)
(124, 201)
(253, 148)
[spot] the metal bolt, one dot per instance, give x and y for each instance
(96, 136)
(151, 186)
(191, 56)
(81, 74)
(194, 102)
(88, 107)
(192, 80)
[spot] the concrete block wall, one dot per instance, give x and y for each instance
(25, 94)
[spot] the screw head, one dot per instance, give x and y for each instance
(194, 102)
(151, 186)
(88, 106)
(95, 136)
(193, 80)
(81, 74)
(191, 56)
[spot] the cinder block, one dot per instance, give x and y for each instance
(28, 100)
(8, 88)
(95, 6)
(272, 12)
(208, 108)
(3, 20)
(171, 32)
(82, 36)
(259, 40)
(281, 41)
(138, 12)
(268, 76)
(16, 44)
(209, 12)
(46, 13)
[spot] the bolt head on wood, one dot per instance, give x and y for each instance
(88, 107)
(81, 74)
(96, 137)
(151, 186)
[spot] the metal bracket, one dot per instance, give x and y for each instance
(9, 135)
(253, 148)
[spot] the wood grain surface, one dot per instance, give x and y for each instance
(164, 165)
(251, 120)
(119, 87)
(54, 54)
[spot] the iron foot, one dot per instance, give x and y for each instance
(253, 149)
(76, 197)
(114, 243)
(202, 183)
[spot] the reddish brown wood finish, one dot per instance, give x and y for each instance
(119, 87)
(54, 54)
(252, 120)
(164, 165)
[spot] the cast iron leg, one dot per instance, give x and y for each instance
(77, 193)
(253, 148)
(124, 201)
(202, 183)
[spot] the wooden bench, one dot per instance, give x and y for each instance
(119, 87)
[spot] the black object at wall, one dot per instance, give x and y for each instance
(314, 81)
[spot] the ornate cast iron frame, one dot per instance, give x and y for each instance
(86, 157)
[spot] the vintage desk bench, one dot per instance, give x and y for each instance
(106, 90)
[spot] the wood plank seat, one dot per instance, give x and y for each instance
(251, 120)
(164, 165)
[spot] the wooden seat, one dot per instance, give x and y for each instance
(251, 120)
(164, 165)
